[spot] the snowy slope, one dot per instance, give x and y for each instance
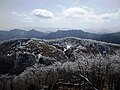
(26, 62)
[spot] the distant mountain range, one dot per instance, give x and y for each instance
(18, 33)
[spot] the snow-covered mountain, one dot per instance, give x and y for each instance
(16, 55)
(42, 62)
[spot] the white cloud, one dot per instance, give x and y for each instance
(22, 17)
(17, 14)
(84, 17)
(74, 17)
(74, 12)
(43, 13)
(89, 14)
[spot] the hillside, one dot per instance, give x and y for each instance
(110, 38)
(16, 55)
(38, 64)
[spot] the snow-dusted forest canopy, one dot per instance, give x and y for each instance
(72, 63)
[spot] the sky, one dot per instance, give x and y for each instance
(88, 15)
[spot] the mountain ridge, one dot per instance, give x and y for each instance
(19, 33)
